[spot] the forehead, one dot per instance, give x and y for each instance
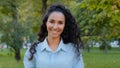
(56, 16)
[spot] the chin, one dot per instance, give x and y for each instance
(55, 36)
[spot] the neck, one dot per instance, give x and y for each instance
(53, 42)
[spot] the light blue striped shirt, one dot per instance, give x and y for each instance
(63, 57)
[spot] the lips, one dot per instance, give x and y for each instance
(55, 32)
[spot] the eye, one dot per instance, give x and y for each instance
(60, 22)
(51, 21)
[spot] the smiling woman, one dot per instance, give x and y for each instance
(55, 25)
(59, 42)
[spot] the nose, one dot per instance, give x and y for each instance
(55, 26)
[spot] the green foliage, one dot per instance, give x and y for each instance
(102, 47)
(99, 17)
(12, 31)
(15, 26)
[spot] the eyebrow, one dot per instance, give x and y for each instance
(53, 20)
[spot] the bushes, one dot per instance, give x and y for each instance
(102, 47)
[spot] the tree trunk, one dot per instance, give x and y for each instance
(17, 54)
(106, 49)
(119, 44)
(88, 48)
(106, 45)
(15, 21)
(44, 7)
(87, 44)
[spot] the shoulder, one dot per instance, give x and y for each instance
(36, 45)
(39, 46)
(70, 47)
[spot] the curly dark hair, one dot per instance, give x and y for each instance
(70, 34)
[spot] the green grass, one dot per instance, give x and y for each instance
(100, 59)
(7, 59)
(9, 62)
(94, 59)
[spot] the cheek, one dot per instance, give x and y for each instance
(62, 27)
(48, 25)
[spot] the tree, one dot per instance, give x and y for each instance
(44, 6)
(99, 18)
(16, 18)
(12, 30)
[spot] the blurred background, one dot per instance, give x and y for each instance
(99, 22)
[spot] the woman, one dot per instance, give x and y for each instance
(59, 42)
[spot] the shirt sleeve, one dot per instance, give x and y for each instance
(79, 63)
(28, 63)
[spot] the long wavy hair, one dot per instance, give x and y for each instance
(70, 34)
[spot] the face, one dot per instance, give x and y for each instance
(55, 24)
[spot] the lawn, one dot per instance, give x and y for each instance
(100, 59)
(94, 59)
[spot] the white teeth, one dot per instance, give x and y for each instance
(54, 31)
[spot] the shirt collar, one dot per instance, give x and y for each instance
(61, 46)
